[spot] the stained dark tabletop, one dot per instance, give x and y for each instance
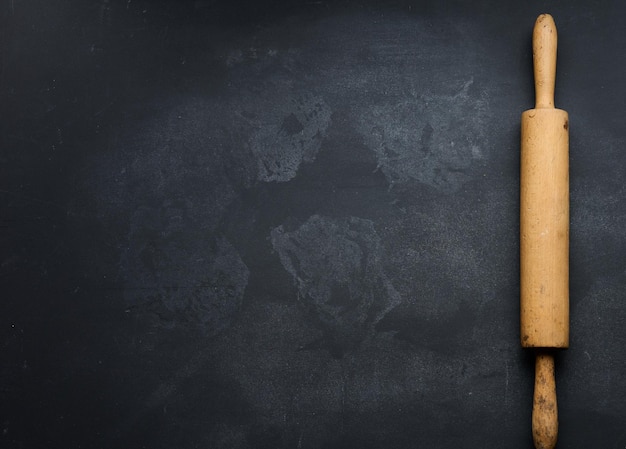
(255, 224)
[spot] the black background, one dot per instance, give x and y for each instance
(272, 224)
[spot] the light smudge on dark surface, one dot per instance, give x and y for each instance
(336, 266)
(182, 276)
(287, 131)
(434, 139)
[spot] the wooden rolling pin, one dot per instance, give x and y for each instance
(544, 232)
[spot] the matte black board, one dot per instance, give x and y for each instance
(295, 224)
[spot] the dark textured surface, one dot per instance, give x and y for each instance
(294, 224)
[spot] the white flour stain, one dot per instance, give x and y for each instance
(428, 138)
(286, 131)
(336, 265)
(179, 275)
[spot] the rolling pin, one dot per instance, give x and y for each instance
(544, 232)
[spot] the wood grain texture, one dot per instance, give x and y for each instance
(544, 229)
(544, 232)
(544, 206)
(545, 412)
(545, 42)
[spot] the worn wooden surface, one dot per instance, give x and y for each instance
(544, 231)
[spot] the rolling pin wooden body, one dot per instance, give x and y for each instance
(544, 231)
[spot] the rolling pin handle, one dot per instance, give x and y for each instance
(544, 60)
(545, 415)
